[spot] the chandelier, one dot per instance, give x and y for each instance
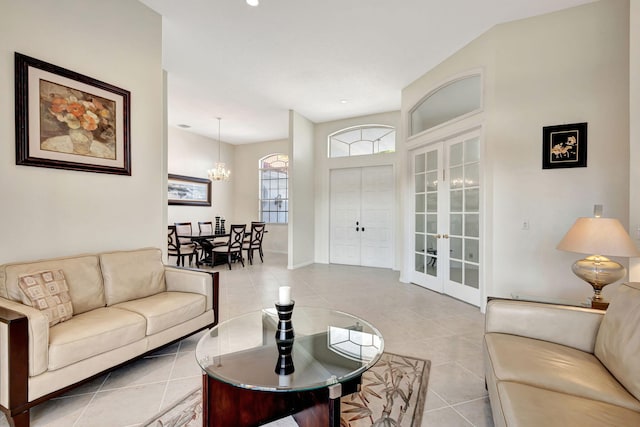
(219, 173)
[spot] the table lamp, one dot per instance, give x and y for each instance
(599, 238)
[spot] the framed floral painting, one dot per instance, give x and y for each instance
(564, 146)
(66, 120)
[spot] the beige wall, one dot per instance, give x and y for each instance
(301, 191)
(193, 155)
(566, 67)
(634, 132)
(246, 190)
(50, 212)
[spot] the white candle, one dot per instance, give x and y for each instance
(284, 380)
(284, 295)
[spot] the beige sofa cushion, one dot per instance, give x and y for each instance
(554, 367)
(166, 309)
(92, 333)
(618, 341)
(527, 406)
(129, 275)
(82, 274)
(48, 292)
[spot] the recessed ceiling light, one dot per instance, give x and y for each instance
(183, 126)
(253, 3)
(343, 101)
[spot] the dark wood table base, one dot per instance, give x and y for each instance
(225, 405)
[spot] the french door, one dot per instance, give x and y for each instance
(446, 210)
(361, 218)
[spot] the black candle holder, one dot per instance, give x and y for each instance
(284, 339)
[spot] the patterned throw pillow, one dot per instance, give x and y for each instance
(48, 292)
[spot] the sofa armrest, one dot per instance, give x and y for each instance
(575, 327)
(195, 281)
(38, 328)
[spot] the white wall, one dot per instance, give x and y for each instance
(301, 191)
(193, 155)
(246, 190)
(634, 132)
(566, 67)
(324, 165)
(50, 212)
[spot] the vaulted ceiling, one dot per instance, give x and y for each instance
(325, 59)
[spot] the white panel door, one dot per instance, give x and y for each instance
(377, 202)
(345, 216)
(362, 204)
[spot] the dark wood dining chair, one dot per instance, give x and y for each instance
(254, 242)
(179, 250)
(233, 248)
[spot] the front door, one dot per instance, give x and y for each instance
(362, 206)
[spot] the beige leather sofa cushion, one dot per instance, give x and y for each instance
(129, 275)
(618, 341)
(166, 309)
(92, 333)
(554, 367)
(82, 274)
(527, 406)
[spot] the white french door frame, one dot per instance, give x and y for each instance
(439, 141)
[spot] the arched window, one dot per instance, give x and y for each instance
(274, 188)
(455, 99)
(362, 140)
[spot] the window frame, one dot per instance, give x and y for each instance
(361, 128)
(278, 157)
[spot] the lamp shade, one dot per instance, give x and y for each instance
(598, 236)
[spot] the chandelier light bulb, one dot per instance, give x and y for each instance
(253, 3)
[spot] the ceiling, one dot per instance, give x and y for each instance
(325, 59)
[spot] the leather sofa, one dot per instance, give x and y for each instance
(66, 320)
(554, 365)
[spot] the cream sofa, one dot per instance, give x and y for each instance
(124, 305)
(550, 365)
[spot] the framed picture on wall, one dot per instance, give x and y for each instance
(564, 146)
(188, 190)
(66, 120)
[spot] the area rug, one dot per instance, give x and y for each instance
(392, 394)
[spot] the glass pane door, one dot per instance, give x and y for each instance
(464, 219)
(427, 202)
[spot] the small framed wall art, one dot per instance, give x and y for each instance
(564, 146)
(66, 120)
(188, 190)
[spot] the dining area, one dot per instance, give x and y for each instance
(208, 243)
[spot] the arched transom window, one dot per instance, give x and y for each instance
(362, 140)
(274, 188)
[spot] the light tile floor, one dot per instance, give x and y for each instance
(413, 321)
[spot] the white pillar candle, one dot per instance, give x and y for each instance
(284, 295)
(284, 380)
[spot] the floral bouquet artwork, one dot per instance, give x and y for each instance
(76, 122)
(564, 146)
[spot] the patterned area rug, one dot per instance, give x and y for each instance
(392, 394)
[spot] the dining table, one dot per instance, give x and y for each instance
(205, 239)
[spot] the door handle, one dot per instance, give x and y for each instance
(438, 236)
(446, 236)
(358, 228)
(363, 229)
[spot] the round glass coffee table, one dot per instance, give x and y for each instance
(251, 378)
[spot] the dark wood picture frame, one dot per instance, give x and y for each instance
(564, 146)
(188, 190)
(66, 120)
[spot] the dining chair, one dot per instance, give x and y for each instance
(184, 231)
(179, 250)
(207, 245)
(233, 248)
(254, 242)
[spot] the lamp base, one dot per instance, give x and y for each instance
(599, 304)
(598, 271)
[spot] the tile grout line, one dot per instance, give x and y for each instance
(95, 393)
